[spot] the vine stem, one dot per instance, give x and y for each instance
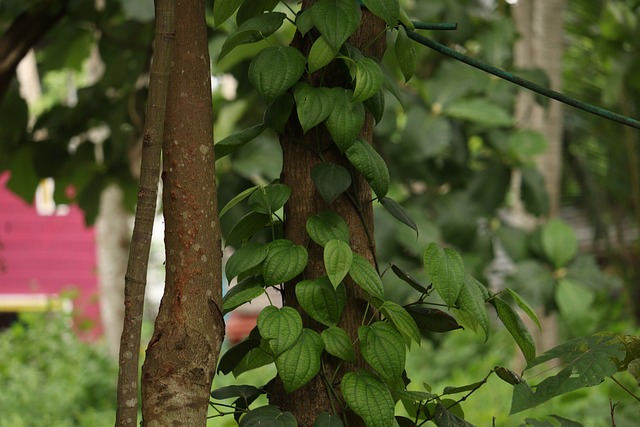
(622, 386)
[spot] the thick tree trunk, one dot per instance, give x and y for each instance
(182, 355)
(299, 158)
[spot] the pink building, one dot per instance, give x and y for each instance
(45, 251)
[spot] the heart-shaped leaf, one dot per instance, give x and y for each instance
(223, 9)
(337, 260)
(242, 292)
(368, 79)
(245, 258)
(383, 348)
(387, 10)
(363, 273)
(327, 420)
(320, 300)
(406, 54)
(446, 271)
(371, 165)
(327, 225)
(246, 227)
(253, 30)
(313, 105)
(402, 320)
(320, 54)
(275, 69)
(300, 363)
(284, 261)
(269, 199)
(331, 180)
(336, 20)
(346, 118)
(280, 326)
(368, 397)
(268, 416)
(338, 344)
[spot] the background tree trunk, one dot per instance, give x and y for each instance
(183, 352)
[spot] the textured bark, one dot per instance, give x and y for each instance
(183, 352)
(136, 276)
(299, 158)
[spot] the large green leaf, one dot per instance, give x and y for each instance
(368, 397)
(235, 354)
(278, 112)
(320, 54)
(516, 328)
(284, 261)
(346, 118)
(363, 273)
(245, 258)
(387, 10)
(406, 54)
(336, 20)
(402, 320)
(313, 105)
(267, 415)
(479, 111)
(280, 326)
(242, 292)
(446, 271)
(275, 69)
(269, 199)
(228, 145)
(253, 30)
(325, 226)
(300, 363)
(382, 346)
(368, 79)
(331, 180)
(559, 242)
(371, 165)
(246, 227)
(338, 344)
(320, 300)
(223, 9)
(472, 301)
(337, 260)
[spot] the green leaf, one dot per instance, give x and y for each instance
(304, 21)
(256, 358)
(284, 262)
(228, 392)
(408, 279)
(432, 319)
(228, 145)
(237, 199)
(516, 328)
(363, 273)
(300, 363)
(387, 10)
(337, 260)
(368, 80)
(559, 242)
(402, 320)
(320, 300)
(313, 105)
(331, 180)
(275, 69)
(525, 144)
(446, 271)
(327, 420)
(398, 212)
(507, 375)
(246, 227)
(479, 111)
(278, 112)
(382, 346)
(269, 199)
(325, 226)
(336, 20)
(245, 259)
(337, 343)
(346, 118)
(223, 9)
(250, 9)
(235, 354)
(241, 293)
(369, 398)
(405, 54)
(267, 415)
(253, 30)
(524, 306)
(472, 301)
(375, 105)
(371, 165)
(574, 301)
(443, 417)
(320, 54)
(280, 326)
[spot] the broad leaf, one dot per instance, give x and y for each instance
(327, 420)
(228, 392)
(269, 199)
(337, 260)
(280, 326)
(516, 328)
(402, 320)
(246, 227)
(406, 54)
(275, 69)
(320, 54)
(284, 262)
(559, 242)
(325, 226)
(369, 398)
(267, 415)
(337, 343)
(346, 118)
(313, 105)
(383, 348)
(443, 417)
(253, 8)
(237, 199)
(253, 30)
(446, 270)
(301, 362)
(241, 293)
(235, 354)
(331, 180)
(320, 300)
(278, 112)
(387, 10)
(363, 273)
(244, 259)
(336, 20)
(371, 165)
(228, 145)
(223, 9)
(398, 212)
(368, 80)
(472, 301)
(479, 111)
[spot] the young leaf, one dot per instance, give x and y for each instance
(472, 301)
(371, 165)
(337, 343)
(559, 242)
(402, 320)
(363, 273)
(301, 362)
(446, 270)
(237, 199)
(383, 348)
(368, 80)
(346, 118)
(336, 20)
(241, 293)
(284, 262)
(387, 10)
(275, 69)
(223, 9)
(524, 306)
(369, 398)
(253, 30)
(320, 54)
(406, 54)
(269, 415)
(320, 300)
(337, 260)
(516, 328)
(269, 199)
(313, 105)
(246, 227)
(331, 180)
(398, 212)
(325, 226)
(280, 326)
(228, 145)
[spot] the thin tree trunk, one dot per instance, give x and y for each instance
(299, 158)
(136, 276)
(183, 352)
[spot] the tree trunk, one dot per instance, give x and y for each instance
(183, 352)
(298, 159)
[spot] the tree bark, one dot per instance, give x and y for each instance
(298, 159)
(183, 352)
